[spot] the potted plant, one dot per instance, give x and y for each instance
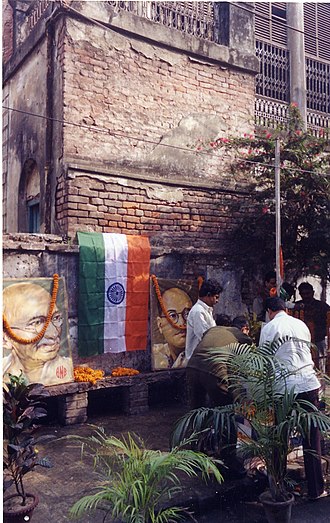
(22, 409)
(137, 484)
(272, 416)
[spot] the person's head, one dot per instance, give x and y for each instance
(223, 320)
(209, 292)
(306, 291)
(288, 290)
(26, 307)
(178, 304)
(241, 323)
(270, 280)
(274, 305)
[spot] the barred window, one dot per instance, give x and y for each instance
(273, 78)
(318, 85)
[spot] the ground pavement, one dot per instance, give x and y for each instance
(70, 478)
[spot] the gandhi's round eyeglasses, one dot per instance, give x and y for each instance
(37, 324)
(174, 315)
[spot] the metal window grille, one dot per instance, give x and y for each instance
(273, 78)
(193, 18)
(318, 85)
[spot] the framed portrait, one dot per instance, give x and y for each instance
(36, 332)
(168, 318)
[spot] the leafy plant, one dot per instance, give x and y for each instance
(137, 482)
(22, 409)
(305, 196)
(274, 413)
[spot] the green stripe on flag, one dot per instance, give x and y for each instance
(91, 294)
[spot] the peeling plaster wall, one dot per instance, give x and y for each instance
(27, 92)
(144, 103)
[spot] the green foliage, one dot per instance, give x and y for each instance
(257, 379)
(135, 482)
(22, 409)
(305, 197)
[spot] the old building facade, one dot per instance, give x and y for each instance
(104, 109)
(105, 104)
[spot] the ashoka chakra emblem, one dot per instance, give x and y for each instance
(116, 293)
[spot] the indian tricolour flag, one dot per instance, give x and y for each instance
(113, 293)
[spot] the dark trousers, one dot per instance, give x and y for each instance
(312, 460)
(204, 390)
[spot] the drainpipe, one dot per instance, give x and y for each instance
(296, 46)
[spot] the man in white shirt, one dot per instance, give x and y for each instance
(200, 317)
(296, 355)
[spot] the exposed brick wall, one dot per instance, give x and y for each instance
(139, 207)
(142, 93)
(7, 31)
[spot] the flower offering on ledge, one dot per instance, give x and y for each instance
(87, 374)
(124, 371)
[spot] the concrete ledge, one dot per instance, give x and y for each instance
(73, 397)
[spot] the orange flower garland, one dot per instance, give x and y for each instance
(41, 334)
(87, 374)
(162, 306)
(124, 371)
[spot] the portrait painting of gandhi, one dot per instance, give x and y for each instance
(26, 306)
(168, 323)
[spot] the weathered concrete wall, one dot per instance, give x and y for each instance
(26, 91)
(34, 255)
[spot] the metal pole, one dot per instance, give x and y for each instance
(278, 215)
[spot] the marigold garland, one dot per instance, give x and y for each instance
(41, 334)
(124, 371)
(162, 306)
(87, 374)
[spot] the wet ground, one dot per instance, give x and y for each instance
(70, 477)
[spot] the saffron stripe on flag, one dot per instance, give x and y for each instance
(138, 274)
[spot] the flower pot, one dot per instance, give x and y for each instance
(276, 511)
(14, 512)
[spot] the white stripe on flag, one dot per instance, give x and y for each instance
(116, 253)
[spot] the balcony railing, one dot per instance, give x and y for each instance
(318, 123)
(273, 113)
(270, 113)
(193, 18)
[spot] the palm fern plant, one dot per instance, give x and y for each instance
(136, 484)
(274, 413)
